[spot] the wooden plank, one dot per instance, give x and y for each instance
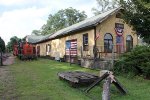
(66, 77)
(78, 77)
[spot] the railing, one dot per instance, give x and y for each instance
(104, 52)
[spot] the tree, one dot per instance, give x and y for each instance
(105, 5)
(137, 14)
(63, 18)
(13, 40)
(2, 45)
(36, 32)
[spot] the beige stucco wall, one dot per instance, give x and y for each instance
(108, 26)
(43, 48)
(58, 45)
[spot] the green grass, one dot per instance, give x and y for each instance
(38, 80)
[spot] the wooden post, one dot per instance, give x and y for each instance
(81, 52)
(70, 55)
(106, 89)
(1, 57)
(113, 56)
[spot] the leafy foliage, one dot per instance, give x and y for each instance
(36, 32)
(13, 40)
(137, 13)
(2, 45)
(62, 19)
(137, 62)
(104, 5)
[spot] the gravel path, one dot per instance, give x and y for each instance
(7, 86)
(9, 60)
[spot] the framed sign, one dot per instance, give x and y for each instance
(119, 25)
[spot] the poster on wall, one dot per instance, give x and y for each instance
(119, 44)
(71, 51)
(71, 47)
(119, 39)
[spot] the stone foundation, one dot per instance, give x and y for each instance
(97, 64)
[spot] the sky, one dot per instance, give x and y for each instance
(20, 17)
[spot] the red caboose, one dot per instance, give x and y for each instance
(28, 51)
(24, 51)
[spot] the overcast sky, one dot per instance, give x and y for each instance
(20, 17)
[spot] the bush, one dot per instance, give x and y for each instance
(136, 62)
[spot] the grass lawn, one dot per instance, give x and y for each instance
(38, 80)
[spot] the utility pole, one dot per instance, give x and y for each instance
(1, 57)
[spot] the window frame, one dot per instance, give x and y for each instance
(119, 15)
(48, 48)
(107, 43)
(129, 43)
(119, 25)
(85, 42)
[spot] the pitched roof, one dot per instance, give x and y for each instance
(36, 38)
(89, 22)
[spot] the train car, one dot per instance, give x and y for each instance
(25, 51)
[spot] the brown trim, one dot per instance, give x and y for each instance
(95, 36)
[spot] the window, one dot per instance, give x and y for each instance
(38, 50)
(85, 42)
(119, 25)
(108, 43)
(129, 43)
(119, 15)
(48, 47)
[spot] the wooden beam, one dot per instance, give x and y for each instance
(97, 81)
(1, 57)
(119, 86)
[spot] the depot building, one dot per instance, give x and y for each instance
(107, 32)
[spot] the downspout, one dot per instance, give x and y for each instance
(94, 35)
(94, 47)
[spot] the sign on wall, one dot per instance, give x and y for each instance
(119, 44)
(71, 47)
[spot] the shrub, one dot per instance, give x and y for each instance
(137, 62)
